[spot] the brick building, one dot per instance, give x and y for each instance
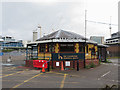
(114, 45)
(64, 48)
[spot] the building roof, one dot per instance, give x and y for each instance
(61, 34)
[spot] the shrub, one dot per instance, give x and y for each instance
(87, 66)
(92, 65)
(107, 61)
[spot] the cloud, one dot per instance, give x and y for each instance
(21, 18)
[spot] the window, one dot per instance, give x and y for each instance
(42, 47)
(81, 49)
(66, 47)
(116, 40)
(57, 63)
(93, 51)
(67, 63)
(50, 48)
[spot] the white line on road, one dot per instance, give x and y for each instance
(105, 74)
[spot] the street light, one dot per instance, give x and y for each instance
(85, 37)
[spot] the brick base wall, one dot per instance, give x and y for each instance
(29, 63)
(96, 62)
(81, 64)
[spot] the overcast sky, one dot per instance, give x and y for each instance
(19, 19)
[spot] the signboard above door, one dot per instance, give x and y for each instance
(67, 56)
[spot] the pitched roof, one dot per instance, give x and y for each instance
(61, 34)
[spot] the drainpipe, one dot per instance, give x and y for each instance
(84, 55)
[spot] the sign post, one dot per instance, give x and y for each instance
(77, 65)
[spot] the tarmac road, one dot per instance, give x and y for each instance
(98, 77)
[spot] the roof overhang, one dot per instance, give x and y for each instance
(102, 45)
(61, 40)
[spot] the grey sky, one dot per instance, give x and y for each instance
(19, 19)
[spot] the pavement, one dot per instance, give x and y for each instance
(20, 77)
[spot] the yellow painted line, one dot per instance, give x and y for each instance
(11, 74)
(13, 68)
(62, 83)
(39, 81)
(57, 73)
(27, 80)
(9, 69)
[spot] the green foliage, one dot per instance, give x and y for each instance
(22, 64)
(107, 61)
(7, 50)
(87, 66)
(99, 62)
(92, 65)
(35, 58)
(113, 57)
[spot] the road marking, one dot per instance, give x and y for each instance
(57, 73)
(12, 68)
(39, 81)
(105, 74)
(62, 83)
(9, 69)
(13, 73)
(27, 80)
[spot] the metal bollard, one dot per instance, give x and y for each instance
(9, 59)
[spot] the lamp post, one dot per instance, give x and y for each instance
(85, 37)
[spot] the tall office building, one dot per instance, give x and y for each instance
(98, 39)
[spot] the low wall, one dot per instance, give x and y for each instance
(73, 64)
(29, 63)
(70, 65)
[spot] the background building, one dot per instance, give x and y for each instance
(115, 38)
(25, 42)
(98, 39)
(10, 42)
(8, 39)
(114, 45)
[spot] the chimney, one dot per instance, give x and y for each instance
(34, 36)
(40, 30)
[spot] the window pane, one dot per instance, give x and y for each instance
(42, 48)
(81, 48)
(50, 48)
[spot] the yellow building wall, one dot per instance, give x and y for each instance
(88, 55)
(56, 48)
(47, 55)
(77, 48)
